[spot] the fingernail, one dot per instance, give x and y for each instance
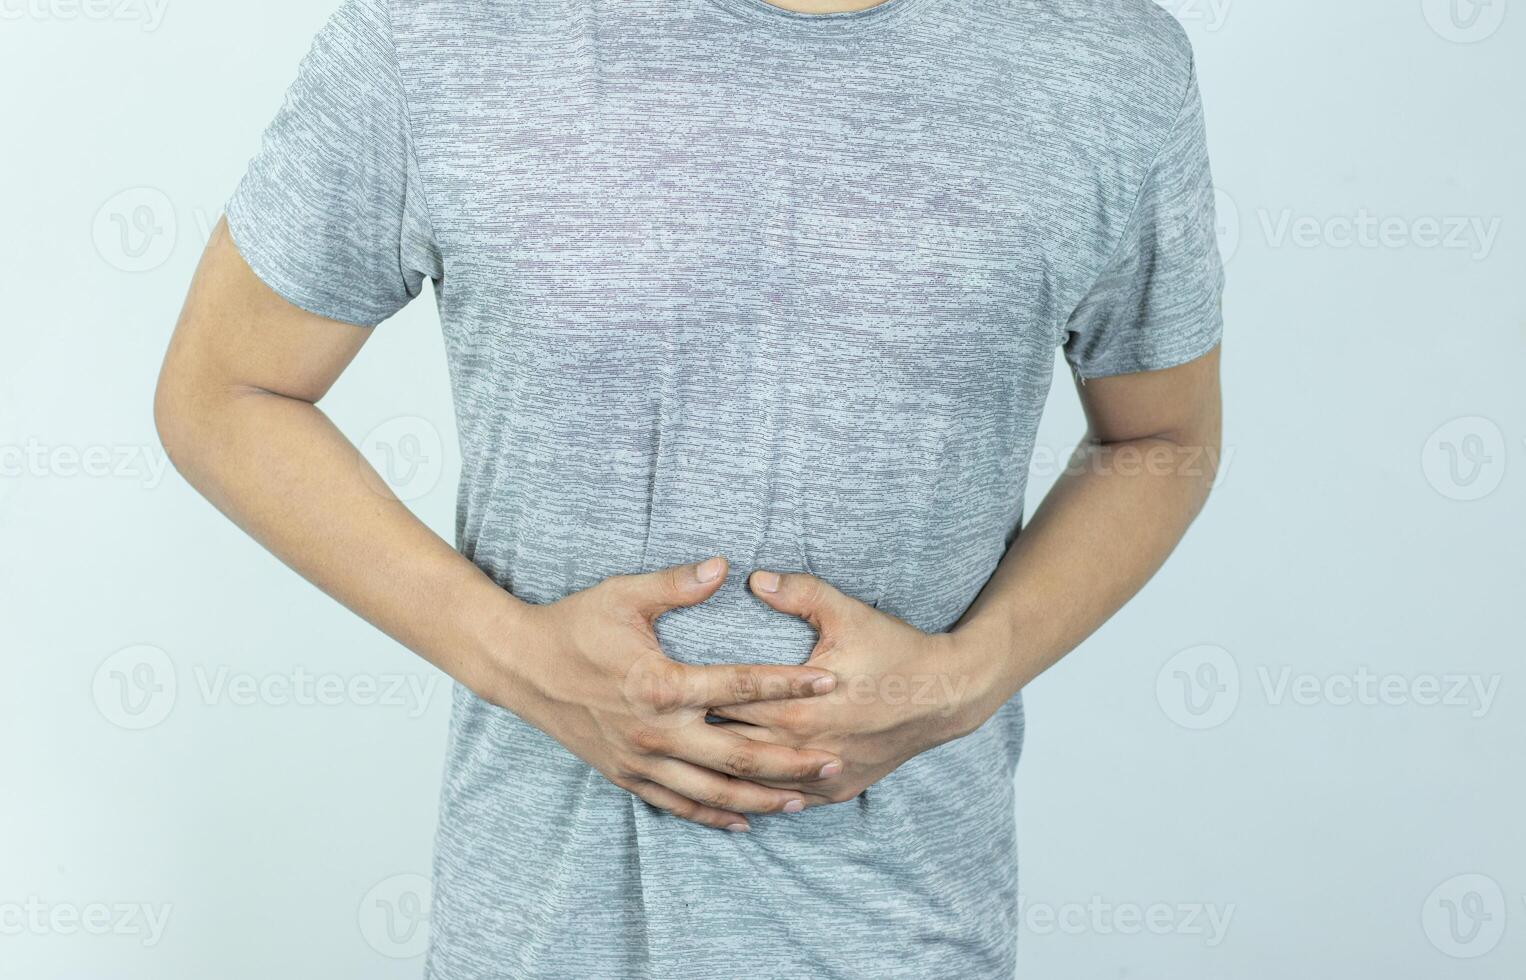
(794, 806)
(831, 769)
(709, 570)
(822, 685)
(737, 828)
(765, 581)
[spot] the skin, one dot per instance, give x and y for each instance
(1133, 487)
(1137, 481)
(236, 408)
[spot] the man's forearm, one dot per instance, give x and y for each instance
(1104, 529)
(284, 473)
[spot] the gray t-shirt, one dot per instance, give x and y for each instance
(719, 278)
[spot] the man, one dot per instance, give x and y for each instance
(751, 311)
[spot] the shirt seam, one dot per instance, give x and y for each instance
(409, 138)
(1144, 185)
(824, 26)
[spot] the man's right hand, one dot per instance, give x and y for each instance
(236, 409)
(588, 671)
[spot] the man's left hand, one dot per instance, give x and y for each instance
(900, 691)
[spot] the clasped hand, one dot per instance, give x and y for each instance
(711, 744)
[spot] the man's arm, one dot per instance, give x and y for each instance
(236, 410)
(1136, 483)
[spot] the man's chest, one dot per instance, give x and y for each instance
(596, 189)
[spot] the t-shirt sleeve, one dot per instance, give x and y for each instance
(1156, 303)
(331, 213)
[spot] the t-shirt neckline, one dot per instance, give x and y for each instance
(881, 13)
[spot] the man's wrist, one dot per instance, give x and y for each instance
(986, 669)
(501, 632)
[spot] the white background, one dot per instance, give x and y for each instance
(1309, 727)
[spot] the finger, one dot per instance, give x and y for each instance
(720, 792)
(765, 715)
(713, 748)
(802, 595)
(665, 799)
(654, 593)
(819, 795)
(725, 684)
(755, 732)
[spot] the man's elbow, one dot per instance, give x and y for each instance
(179, 413)
(1208, 452)
(168, 418)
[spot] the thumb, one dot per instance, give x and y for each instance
(654, 593)
(801, 595)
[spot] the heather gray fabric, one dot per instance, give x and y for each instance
(720, 278)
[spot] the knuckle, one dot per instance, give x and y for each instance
(665, 687)
(744, 685)
(648, 740)
(742, 762)
(718, 799)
